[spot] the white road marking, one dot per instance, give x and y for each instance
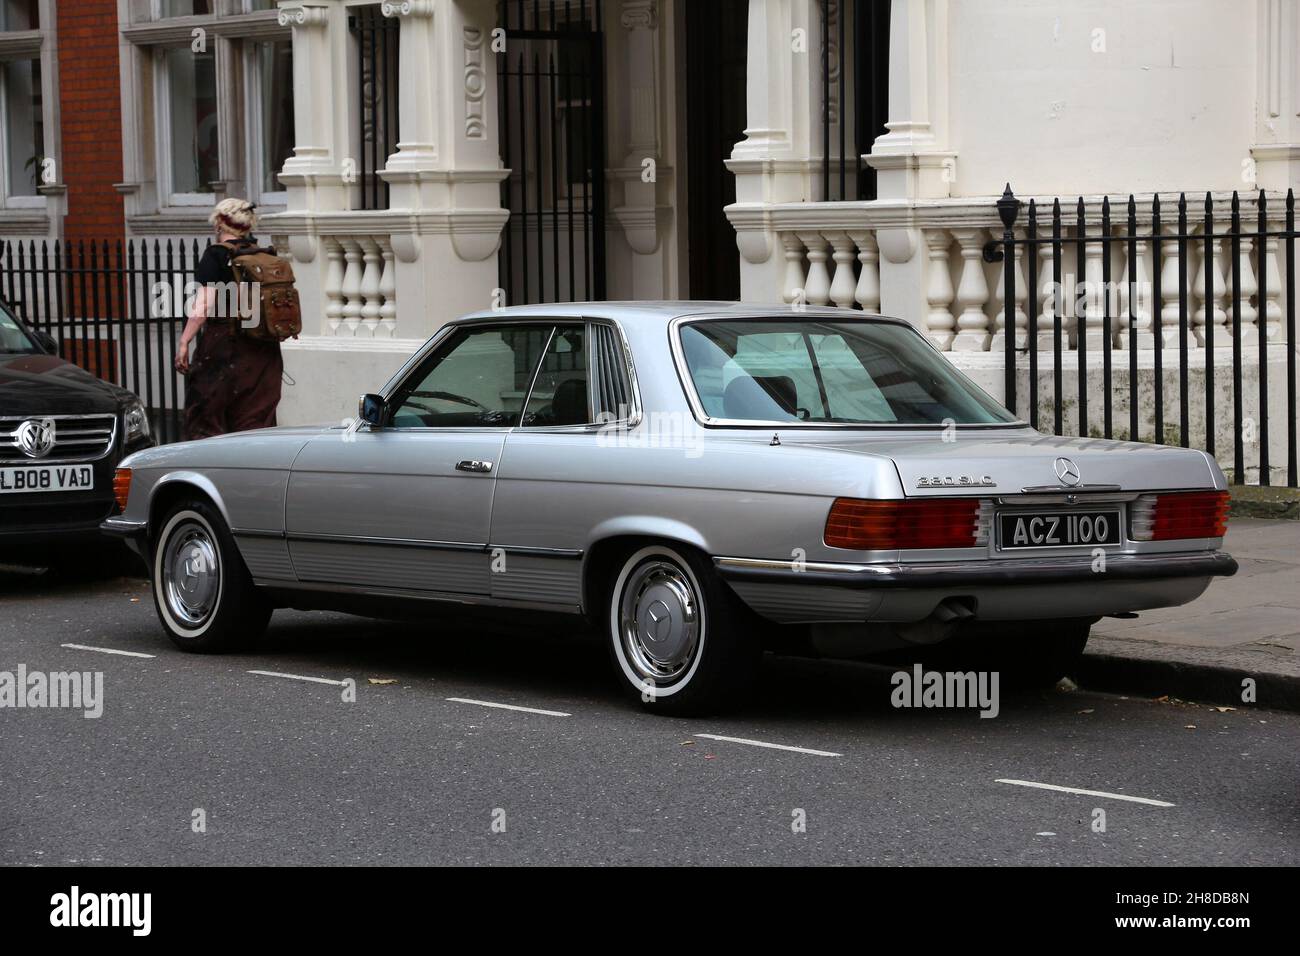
(763, 743)
(526, 710)
(1088, 793)
(314, 680)
(105, 650)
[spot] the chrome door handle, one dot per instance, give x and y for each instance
(478, 467)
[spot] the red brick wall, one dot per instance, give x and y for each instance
(90, 103)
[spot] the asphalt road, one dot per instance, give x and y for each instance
(417, 770)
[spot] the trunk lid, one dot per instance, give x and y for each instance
(1023, 461)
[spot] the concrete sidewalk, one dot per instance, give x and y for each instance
(1244, 626)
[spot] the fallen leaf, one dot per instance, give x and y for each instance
(687, 743)
(382, 680)
(1189, 726)
(1088, 711)
(1223, 710)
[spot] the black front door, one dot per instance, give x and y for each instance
(716, 40)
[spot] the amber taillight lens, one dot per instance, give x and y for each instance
(122, 486)
(863, 525)
(1186, 514)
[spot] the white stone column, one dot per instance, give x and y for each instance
(445, 176)
(1276, 152)
(644, 174)
(772, 163)
(417, 134)
(911, 159)
(313, 174)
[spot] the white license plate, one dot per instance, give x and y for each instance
(39, 478)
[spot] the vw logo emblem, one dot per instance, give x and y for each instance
(36, 437)
(1067, 472)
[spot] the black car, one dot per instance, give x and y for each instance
(62, 433)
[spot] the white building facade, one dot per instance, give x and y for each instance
(452, 155)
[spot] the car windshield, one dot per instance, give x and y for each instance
(14, 339)
(841, 372)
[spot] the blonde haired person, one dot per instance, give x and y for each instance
(233, 382)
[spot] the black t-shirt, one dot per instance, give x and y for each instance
(214, 264)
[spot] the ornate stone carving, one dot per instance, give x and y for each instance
(407, 8)
(640, 15)
(475, 84)
(303, 16)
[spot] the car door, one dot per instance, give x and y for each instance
(555, 482)
(406, 506)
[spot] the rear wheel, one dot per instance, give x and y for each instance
(202, 590)
(675, 632)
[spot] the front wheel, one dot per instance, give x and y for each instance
(675, 632)
(202, 590)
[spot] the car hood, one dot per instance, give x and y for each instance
(47, 385)
(1012, 461)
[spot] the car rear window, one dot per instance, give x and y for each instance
(812, 372)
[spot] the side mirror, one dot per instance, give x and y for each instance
(371, 410)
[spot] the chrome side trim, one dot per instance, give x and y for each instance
(433, 597)
(794, 567)
(385, 542)
(566, 553)
(255, 533)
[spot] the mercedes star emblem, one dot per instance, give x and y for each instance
(1067, 472)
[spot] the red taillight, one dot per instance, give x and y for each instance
(1191, 514)
(122, 486)
(898, 525)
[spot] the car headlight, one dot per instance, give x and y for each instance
(137, 422)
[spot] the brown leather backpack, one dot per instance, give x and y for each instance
(280, 313)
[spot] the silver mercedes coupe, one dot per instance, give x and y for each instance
(697, 482)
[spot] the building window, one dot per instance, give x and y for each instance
(191, 130)
(270, 103)
(20, 15)
(24, 128)
(223, 100)
(25, 150)
(185, 8)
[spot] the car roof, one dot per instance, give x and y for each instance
(663, 312)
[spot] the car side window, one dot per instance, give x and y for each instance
(479, 378)
(560, 394)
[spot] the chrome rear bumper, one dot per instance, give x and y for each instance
(950, 574)
(1003, 589)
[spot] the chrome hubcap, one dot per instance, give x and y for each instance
(191, 574)
(659, 621)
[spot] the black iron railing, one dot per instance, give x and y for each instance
(378, 83)
(854, 93)
(1091, 314)
(114, 308)
(551, 101)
